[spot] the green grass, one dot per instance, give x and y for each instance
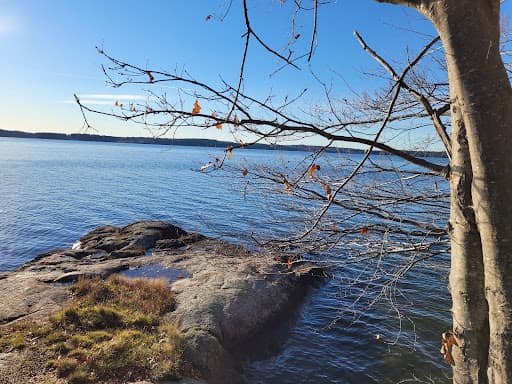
(112, 332)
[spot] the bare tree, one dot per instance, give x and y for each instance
(476, 139)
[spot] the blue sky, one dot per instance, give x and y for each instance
(48, 51)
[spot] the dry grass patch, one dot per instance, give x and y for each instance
(150, 296)
(112, 332)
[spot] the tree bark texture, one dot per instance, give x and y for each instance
(467, 285)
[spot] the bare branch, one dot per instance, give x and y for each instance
(314, 33)
(434, 115)
(370, 149)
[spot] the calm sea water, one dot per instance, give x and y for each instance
(53, 192)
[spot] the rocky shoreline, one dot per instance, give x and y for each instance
(225, 295)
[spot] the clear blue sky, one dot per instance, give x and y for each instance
(47, 51)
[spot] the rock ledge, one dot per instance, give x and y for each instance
(226, 297)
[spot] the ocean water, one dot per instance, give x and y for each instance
(53, 192)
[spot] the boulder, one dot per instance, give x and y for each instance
(141, 235)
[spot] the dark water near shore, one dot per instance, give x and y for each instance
(53, 192)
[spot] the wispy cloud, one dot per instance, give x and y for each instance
(106, 99)
(90, 102)
(103, 96)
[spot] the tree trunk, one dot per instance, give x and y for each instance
(467, 285)
(481, 92)
(480, 87)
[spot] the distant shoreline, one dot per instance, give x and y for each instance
(192, 142)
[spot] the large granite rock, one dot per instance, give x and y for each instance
(225, 295)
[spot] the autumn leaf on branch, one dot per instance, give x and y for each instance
(219, 125)
(207, 18)
(447, 342)
(312, 169)
(197, 108)
(245, 172)
(287, 186)
(229, 151)
(328, 191)
(364, 231)
(236, 121)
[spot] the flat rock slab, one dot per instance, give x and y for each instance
(226, 297)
